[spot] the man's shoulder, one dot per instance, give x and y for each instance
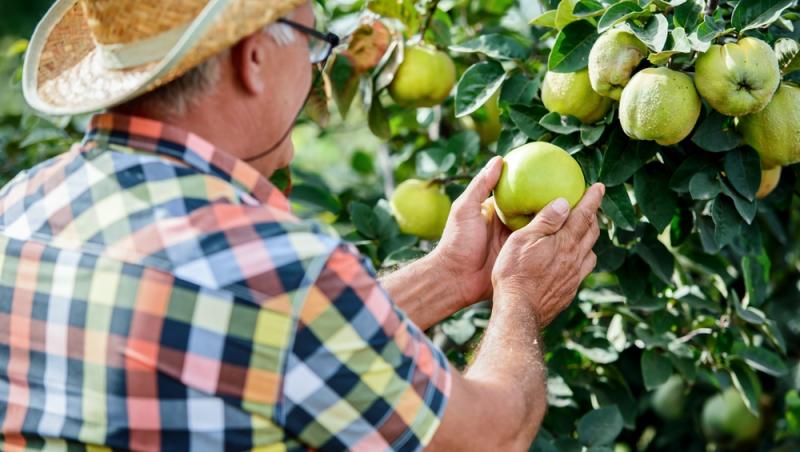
(146, 211)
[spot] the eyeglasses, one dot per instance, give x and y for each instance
(320, 45)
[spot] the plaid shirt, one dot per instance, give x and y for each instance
(156, 293)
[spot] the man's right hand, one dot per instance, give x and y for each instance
(545, 262)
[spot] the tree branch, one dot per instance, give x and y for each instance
(428, 17)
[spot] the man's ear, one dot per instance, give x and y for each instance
(250, 61)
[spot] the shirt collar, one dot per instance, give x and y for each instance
(148, 135)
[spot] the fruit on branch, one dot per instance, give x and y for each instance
(420, 208)
(775, 131)
(769, 180)
(669, 399)
(726, 418)
(612, 60)
(424, 79)
(740, 78)
(571, 93)
(368, 44)
(659, 104)
(486, 121)
(534, 175)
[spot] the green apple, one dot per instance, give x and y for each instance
(612, 60)
(534, 175)
(659, 104)
(769, 180)
(420, 208)
(775, 131)
(726, 418)
(486, 121)
(669, 399)
(424, 79)
(737, 79)
(571, 93)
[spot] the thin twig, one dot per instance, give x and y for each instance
(428, 18)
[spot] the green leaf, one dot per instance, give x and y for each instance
(609, 256)
(654, 33)
(466, 144)
(657, 201)
(493, 45)
(403, 10)
(727, 222)
(365, 220)
(554, 122)
(630, 279)
(618, 207)
(622, 159)
(756, 277)
(704, 185)
(677, 42)
(716, 134)
(749, 14)
(434, 162)
(657, 257)
(570, 52)
(527, 118)
(746, 382)
(591, 134)
(314, 196)
(689, 14)
(564, 14)
(477, 85)
(588, 8)
(519, 89)
(597, 349)
(764, 360)
(749, 315)
(510, 139)
(747, 209)
(788, 51)
(378, 120)
(743, 169)
(693, 164)
(656, 369)
(459, 329)
(344, 82)
(616, 13)
(600, 426)
(546, 19)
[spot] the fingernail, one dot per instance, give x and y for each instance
(561, 206)
(602, 189)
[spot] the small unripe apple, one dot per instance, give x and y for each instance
(424, 79)
(612, 60)
(726, 418)
(420, 208)
(775, 131)
(571, 93)
(534, 175)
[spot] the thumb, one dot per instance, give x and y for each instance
(549, 220)
(481, 186)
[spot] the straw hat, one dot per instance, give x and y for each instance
(89, 55)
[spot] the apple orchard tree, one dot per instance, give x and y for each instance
(687, 336)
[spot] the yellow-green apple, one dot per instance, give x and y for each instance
(420, 208)
(725, 417)
(534, 175)
(738, 78)
(424, 78)
(775, 131)
(669, 399)
(571, 93)
(769, 180)
(659, 104)
(613, 57)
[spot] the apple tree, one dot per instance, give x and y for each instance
(685, 335)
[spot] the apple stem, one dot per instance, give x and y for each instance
(432, 5)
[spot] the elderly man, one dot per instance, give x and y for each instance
(158, 294)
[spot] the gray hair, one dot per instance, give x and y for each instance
(177, 96)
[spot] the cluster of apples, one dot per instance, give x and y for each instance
(740, 79)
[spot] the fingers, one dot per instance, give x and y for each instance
(588, 265)
(549, 221)
(584, 215)
(480, 187)
(589, 238)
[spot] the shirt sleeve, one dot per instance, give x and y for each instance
(360, 375)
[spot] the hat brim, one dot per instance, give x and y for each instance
(64, 74)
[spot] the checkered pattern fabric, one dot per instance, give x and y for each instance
(156, 293)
